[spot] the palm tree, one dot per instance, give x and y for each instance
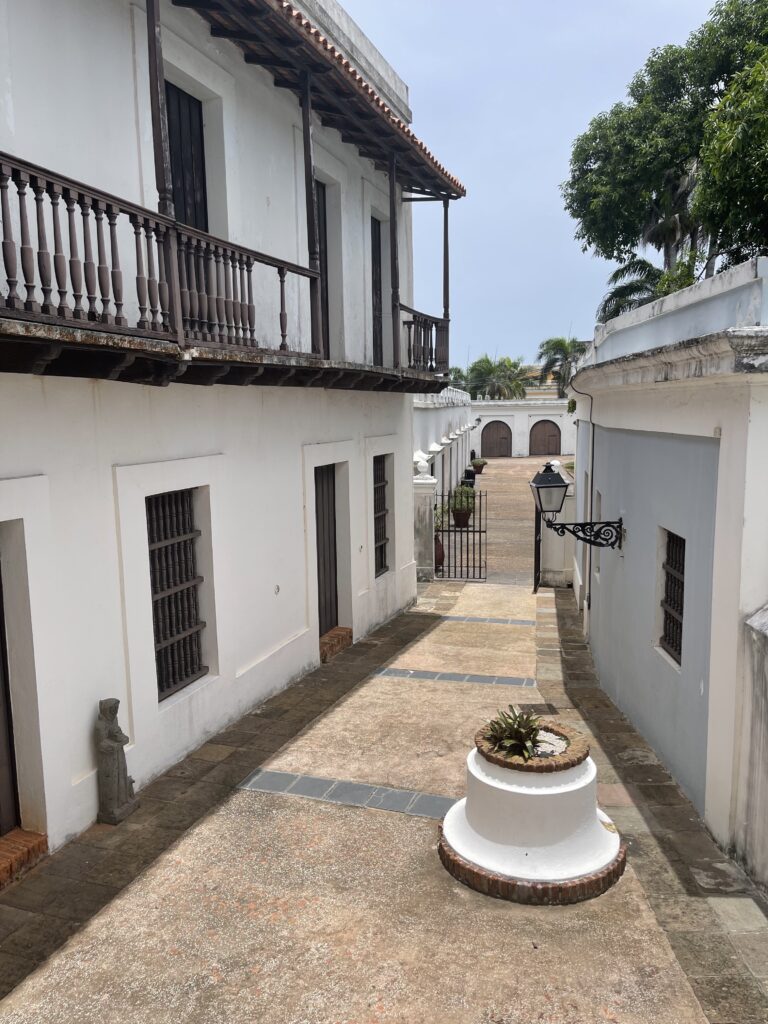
(497, 378)
(669, 223)
(557, 357)
(632, 284)
(457, 376)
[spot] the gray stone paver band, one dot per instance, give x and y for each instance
(455, 677)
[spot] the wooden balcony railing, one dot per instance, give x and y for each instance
(75, 254)
(427, 338)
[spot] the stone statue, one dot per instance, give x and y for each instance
(116, 797)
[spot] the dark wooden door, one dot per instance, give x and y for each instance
(378, 331)
(9, 802)
(325, 515)
(322, 236)
(496, 441)
(185, 139)
(545, 438)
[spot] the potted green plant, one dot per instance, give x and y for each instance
(441, 514)
(462, 506)
(478, 464)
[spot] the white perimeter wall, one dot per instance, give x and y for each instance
(436, 417)
(73, 544)
(520, 415)
(74, 98)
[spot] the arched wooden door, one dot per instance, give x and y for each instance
(496, 440)
(545, 438)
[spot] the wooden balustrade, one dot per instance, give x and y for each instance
(168, 281)
(427, 340)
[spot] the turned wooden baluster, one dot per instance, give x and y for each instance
(243, 303)
(27, 252)
(189, 255)
(43, 254)
(221, 311)
(116, 273)
(202, 292)
(141, 278)
(88, 265)
(210, 270)
(75, 265)
(102, 269)
(236, 295)
(283, 314)
(12, 300)
(227, 269)
(154, 296)
(409, 328)
(181, 256)
(251, 306)
(431, 346)
(59, 259)
(161, 238)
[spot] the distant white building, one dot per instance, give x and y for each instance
(673, 438)
(208, 354)
(538, 424)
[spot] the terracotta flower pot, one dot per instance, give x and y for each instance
(478, 468)
(461, 517)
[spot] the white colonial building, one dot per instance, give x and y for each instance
(538, 424)
(208, 353)
(673, 438)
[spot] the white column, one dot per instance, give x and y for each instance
(424, 490)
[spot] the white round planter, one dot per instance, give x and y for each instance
(540, 831)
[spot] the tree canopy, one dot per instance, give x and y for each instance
(497, 378)
(657, 169)
(557, 357)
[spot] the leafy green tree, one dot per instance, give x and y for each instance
(731, 197)
(457, 376)
(632, 284)
(557, 357)
(497, 378)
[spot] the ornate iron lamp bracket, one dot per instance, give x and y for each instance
(598, 535)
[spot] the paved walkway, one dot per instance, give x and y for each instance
(315, 895)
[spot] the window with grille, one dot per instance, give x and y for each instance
(175, 585)
(380, 539)
(672, 602)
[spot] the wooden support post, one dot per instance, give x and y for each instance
(394, 261)
(160, 142)
(313, 233)
(446, 263)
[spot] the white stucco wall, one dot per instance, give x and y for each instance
(442, 421)
(521, 415)
(93, 55)
(73, 544)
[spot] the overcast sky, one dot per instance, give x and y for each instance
(499, 90)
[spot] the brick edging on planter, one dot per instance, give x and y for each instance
(519, 890)
(576, 751)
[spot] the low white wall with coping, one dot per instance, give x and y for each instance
(442, 422)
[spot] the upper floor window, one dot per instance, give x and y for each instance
(185, 139)
(376, 298)
(175, 585)
(672, 602)
(322, 238)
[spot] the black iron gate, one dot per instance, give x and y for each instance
(537, 552)
(460, 535)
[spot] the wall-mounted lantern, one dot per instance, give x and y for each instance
(549, 489)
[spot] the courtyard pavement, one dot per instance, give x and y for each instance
(286, 872)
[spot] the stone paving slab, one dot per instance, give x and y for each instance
(338, 914)
(399, 733)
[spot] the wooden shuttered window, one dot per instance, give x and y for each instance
(175, 590)
(380, 539)
(185, 141)
(672, 602)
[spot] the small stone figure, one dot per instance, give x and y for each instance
(116, 797)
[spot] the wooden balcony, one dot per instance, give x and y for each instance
(96, 286)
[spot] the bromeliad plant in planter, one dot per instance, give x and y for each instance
(462, 506)
(478, 465)
(529, 828)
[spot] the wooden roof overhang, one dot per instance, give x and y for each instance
(274, 35)
(38, 345)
